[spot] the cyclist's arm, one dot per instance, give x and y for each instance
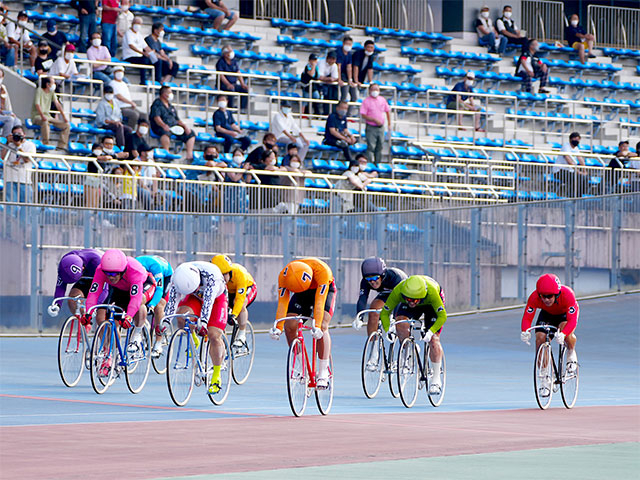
(364, 296)
(572, 319)
(283, 306)
(318, 307)
(208, 297)
(135, 296)
(241, 295)
(390, 304)
(529, 313)
(61, 289)
(157, 295)
(95, 291)
(441, 313)
(172, 302)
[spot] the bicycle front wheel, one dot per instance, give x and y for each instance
(392, 369)
(181, 367)
(159, 362)
(226, 367)
(435, 398)
(297, 378)
(243, 353)
(103, 358)
(324, 396)
(543, 376)
(408, 372)
(569, 378)
(138, 363)
(372, 363)
(71, 351)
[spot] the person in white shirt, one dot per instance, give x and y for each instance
(487, 34)
(135, 49)
(286, 129)
(506, 26)
(123, 99)
(125, 19)
(17, 168)
(65, 65)
(573, 179)
(18, 37)
(7, 117)
(355, 178)
(329, 76)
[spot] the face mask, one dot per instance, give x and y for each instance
(119, 75)
(375, 93)
(468, 83)
(367, 53)
(222, 104)
(574, 23)
(17, 137)
(107, 151)
(535, 48)
(125, 9)
(210, 157)
(508, 14)
(54, 31)
(108, 96)
(269, 146)
(161, 35)
(295, 164)
(136, 27)
(485, 14)
(271, 162)
(96, 42)
(97, 152)
(142, 130)
(362, 167)
(22, 23)
(68, 56)
(231, 54)
(575, 143)
(170, 96)
(341, 112)
(52, 87)
(286, 110)
(347, 48)
(238, 158)
(44, 51)
(355, 169)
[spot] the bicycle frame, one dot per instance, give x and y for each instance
(412, 322)
(190, 320)
(547, 330)
(112, 310)
(78, 313)
(310, 366)
(359, 321)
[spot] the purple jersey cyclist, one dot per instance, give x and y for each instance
(77, 267)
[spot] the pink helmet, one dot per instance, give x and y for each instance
(113, 260)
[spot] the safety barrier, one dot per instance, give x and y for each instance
(544, 20)
(614, 26)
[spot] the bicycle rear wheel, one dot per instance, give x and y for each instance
(225, 373)
(408, 372)
(160, 362)
(435, 399)
(103, 358)
(543, 376)
(297, 378)
(392, 369)
(243, 356)
(324, 396)
(71, 351)
(181, 367)
(569, 380)
(372, 363)
(138, 364)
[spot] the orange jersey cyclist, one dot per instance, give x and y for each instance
(305, 286)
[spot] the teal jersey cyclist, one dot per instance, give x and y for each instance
(410, 299)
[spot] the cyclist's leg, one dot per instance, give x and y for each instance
(324, 346)
(215, 329)
(299, 304)
(377, 304)
(74, 292)
(404, 312)
(570, 342)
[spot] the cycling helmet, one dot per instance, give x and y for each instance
(373, 266)
(222, 262)
(113, 260)
(414, 287)
(186, 279)
(296, 277)
(548, 284)
(70, 268)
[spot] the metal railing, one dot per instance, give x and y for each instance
(614, 26)
(543, 20)
(306, 10)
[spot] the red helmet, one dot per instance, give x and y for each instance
(548, 284)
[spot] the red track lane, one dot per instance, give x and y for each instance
(193, 447)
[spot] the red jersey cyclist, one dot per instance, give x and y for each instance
(558, 307)
(311, 282)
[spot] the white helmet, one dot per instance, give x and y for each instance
(186, 279)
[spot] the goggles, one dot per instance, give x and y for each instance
(548, 297)
(372, 278)
(112, 274)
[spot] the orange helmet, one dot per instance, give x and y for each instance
(296, 277)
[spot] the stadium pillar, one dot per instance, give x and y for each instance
(569, 244)
(474, 260)
(36, 258)
(188, 237)
(87, 228)
(523, 219)
(616, 222)
(288, 242)
(428, 228)
(239, 239)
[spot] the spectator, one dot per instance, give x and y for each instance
(43, 62)
(292, 151)
(508, 28)
(487, 35)
(17, 168)
(41, 113)
(110, 10)
(622, 156)
(57, 39)
(255, 156)
(8, 119)
(65, 65)
(99, 53)
(165, 121)
(87, 17)
(310, 90)
(227, 63)
(7, 53)
(135, 49)
(530, 66)
(136, 144)
(166, 68)
(465, 102)
(125, 19)
(270, 197)
(226, 127)
(292, 198)
(218, 11)
(336, 132)
(579, 39)
(355, 178)
(373, 111)
(104, 153)
(150, 175)
(123, 98)
(329, 76)
(286, 129)
(109, 117)
(344, 59)
(238, 159)
(19, 37)
(563, 167)
(363, 63)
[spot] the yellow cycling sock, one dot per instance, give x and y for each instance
(214, 387)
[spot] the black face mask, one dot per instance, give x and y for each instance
(17, 137)
(44, 51)
(210, 157)
(269, 146)
(575, 143)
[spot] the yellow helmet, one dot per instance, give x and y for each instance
(222, 262)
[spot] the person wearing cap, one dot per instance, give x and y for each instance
(57, 39)
(373, 110)
(18, 36)
(530, 66)
(165, 122)
(225, 126)
(43, 61)
(310, 90)
(110, 9)
(65, 65)
(286, 129)
(109, 117)
(487, 34)
(231, 83)
(329, 76)
(87, 17)
(123, 98)
(464, 102)
(135, 49)
(99, 53)
(44, 99)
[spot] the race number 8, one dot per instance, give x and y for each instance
(94, 287)
(134, 290)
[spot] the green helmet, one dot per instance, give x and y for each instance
(414, 287)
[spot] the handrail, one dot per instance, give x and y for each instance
(380, 24)
(430, 11)
(326, 11)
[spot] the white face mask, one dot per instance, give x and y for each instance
(22, 23)
(52, 87)
(355, 169)
(374, 93)
(108, 96)
(143, 130)
(508, 14)
(119, 75)
(468, 83)
(161, 35)
(107, 151)
(271, 162)
(222, 104)
(286, 110)
(97, 152)
(484, 14)
(367, 53)
(96, 42)
(347, 48)
(231, 54)
(135, 27)
(295, 164)
(1, 80)
(68, 56)
(238, 158)
(170, 96)
(574, 23)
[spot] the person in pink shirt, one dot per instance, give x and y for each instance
(99, 52)
(373, 110)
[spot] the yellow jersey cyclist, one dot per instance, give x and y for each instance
(242, 291)
(411, 298)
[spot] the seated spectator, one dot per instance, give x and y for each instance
(465, 102)
(255, 156)
(579, 39)
(58, 39)
(329, 76)
(8, 119)
(292, 151)
(286, 129)
(373, 110)
(218, 11)
(166, 68)
(110, 10)
(311, 90)
(17, 168)
(507, 27)
(109, 117)
(530, 66)
(165, 121)
(270, 197)
(123, 98)
(87, 18)
(41, 113)
(136, 144)
(135, 49)
(487, 35)
(125, 19)
(356, 178)
(238, 159)
(292, 198)
(226, 127)
(231, 83)
(622, 156)
(43, 61)
(344, 60)
(7, 53)
(336, 132)
(65, 65)
(99, 53)
(19, 37)
(150, 176)
(573, 179)
(363, 63)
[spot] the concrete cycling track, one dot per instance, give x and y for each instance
(489, 425)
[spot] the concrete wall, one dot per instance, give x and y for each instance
(21, 91)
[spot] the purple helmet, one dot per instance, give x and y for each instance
(70, 268)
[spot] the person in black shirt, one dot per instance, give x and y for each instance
(508, 28)
(579, 39)
(166, 68)
(136, 143)
(363, 63)
(231, 83)
(529, 66)
(58, 38)
(226, 127)
(336, 132)
(309, 74)
(165, 121)
(256, 155)
(87, 16)
(43, 61)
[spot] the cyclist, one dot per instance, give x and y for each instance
(161, 271)
(205, 295)
(376, 276)
(558, 307)
(413, 297)
(242, 291)
(313, 286)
